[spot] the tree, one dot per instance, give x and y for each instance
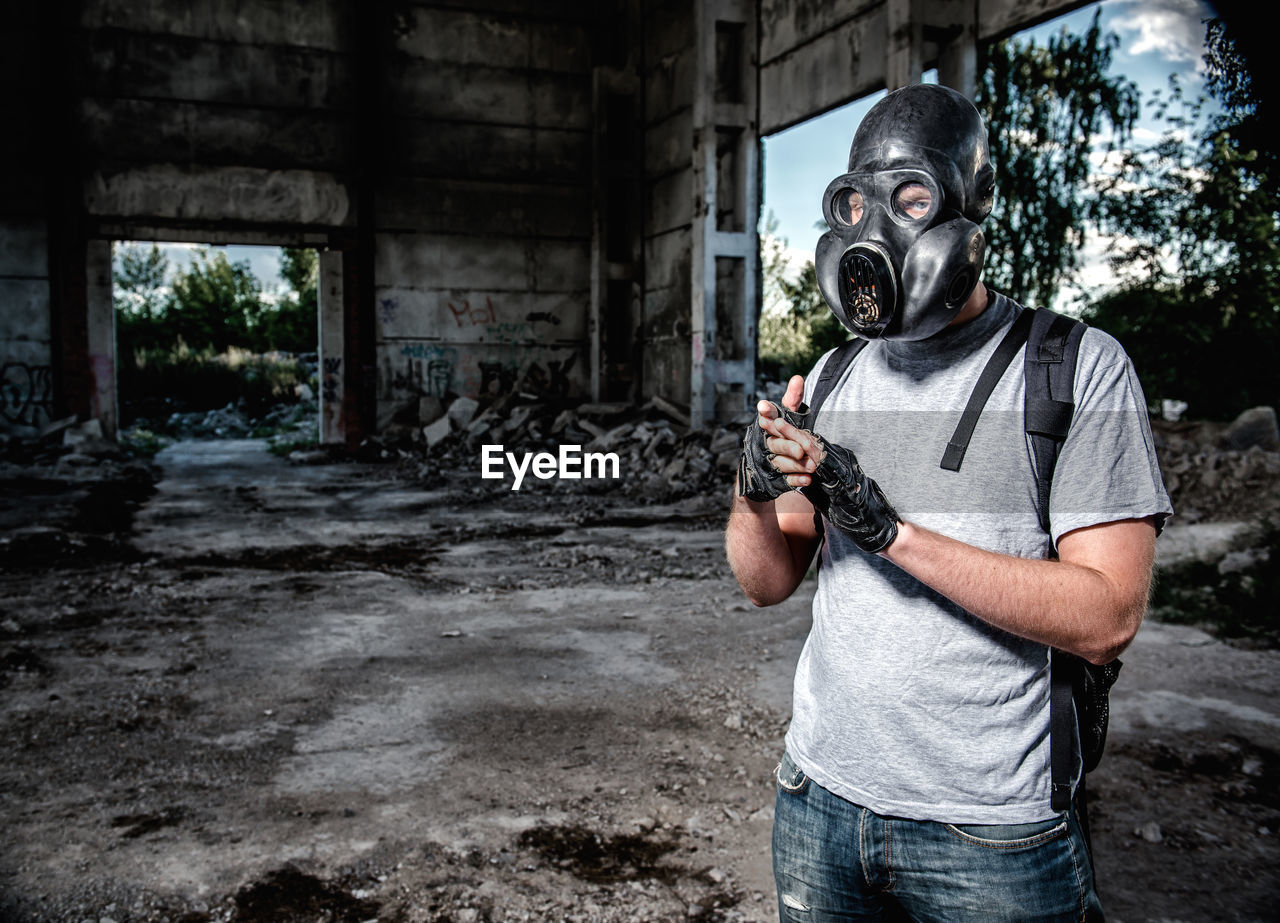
(140, 296)
(293, 325)
(1045, 110)
(216, 303)
(1199, 311)
(140, 278)
(796, 326)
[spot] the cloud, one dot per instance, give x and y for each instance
(1172, 29)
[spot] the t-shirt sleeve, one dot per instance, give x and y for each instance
(1108, 469)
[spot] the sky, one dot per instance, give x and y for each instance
(1157, 38)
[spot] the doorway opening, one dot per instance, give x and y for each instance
(216, 342)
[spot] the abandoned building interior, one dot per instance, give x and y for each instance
(560, 196)
(350, 681)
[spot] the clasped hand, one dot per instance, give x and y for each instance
(782, 452)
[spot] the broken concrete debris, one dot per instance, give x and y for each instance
(659, 456)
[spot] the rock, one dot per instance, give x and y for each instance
(309, 456)
(1150, 831)
(389, 412)
(673, 411)
(1172, 410)
(430, 409)
(726, 440)
(520, 416)
(56, 427)
(1207, 542)
(436, 432)
(1255, 427)
(613, 438)
(674, 469)
(1236, 562)
(603, 409)
(728, 459)
(462, 410)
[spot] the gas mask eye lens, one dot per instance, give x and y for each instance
(914, 201)
(847, 207)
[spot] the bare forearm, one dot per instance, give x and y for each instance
(1082, 606)
(767, 563)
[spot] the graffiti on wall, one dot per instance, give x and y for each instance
(467, 316)
(330, 385)
(26, 393)
(436, 370)
(388, 308)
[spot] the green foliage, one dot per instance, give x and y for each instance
(140, 442)
(162, 381)
(216, 303)
(796, 326)
(294, 324)
(1045, 108)
(141, 296)
(203, 338)
(283, 444)
(1199, 308)
(139, 281)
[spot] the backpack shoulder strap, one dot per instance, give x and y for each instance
(833, 371)
(836, 365)
(987, 381)
(1050, 368)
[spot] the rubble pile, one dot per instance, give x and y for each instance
(66, 491)
(1221, 471)
(660, 457)
(234, 422)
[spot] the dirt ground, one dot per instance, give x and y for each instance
(272, 691)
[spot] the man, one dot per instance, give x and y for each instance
(916, 776)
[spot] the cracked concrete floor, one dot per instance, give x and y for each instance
(328, 693)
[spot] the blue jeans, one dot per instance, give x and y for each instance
(834, 860)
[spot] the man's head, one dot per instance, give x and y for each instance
(904, 251)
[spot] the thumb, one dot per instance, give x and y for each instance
(795, 392)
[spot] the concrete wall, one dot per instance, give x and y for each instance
(816, 55)
(26, 358)
(669, 71)
(26, 350)
(483, 203)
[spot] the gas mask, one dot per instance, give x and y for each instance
(904, 252)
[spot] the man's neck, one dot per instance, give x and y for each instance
(977, 303)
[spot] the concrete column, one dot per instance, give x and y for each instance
(26, 356)
(725, 268)
(958, 55)
(616, 234)
(904, 48)
(332, 430)
(101, 324)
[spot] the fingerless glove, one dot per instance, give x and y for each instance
(853, 502)
(758, 479)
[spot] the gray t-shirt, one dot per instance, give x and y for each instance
(904, 702)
